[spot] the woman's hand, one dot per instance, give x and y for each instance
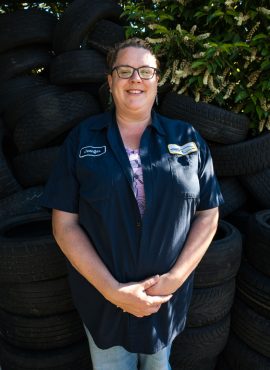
(133, 298)
(166, 285)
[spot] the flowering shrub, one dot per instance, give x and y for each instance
(216, 51)
(56, 7)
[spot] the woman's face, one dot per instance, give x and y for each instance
(134, 94)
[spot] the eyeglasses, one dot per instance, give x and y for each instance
(126, 72)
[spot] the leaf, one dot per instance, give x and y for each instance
(265, 65)
(260, 36)
(259, 111)
(217, 13)
(242, 95)
(164, 17)
(254, 99)
(265, 52)
(160, 29)
(198, 63)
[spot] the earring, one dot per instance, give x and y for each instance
(156, 99)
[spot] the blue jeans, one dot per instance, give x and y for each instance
(116, 358)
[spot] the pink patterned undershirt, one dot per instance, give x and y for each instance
(138, 188)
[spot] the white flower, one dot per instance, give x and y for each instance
(205, 77)
(199, 55)
(263, 10)
(203, 36)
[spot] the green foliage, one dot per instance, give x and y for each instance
(217, 51)
(55, 7)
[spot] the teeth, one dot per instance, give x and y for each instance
(134, 91)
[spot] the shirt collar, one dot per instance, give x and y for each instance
(107, 118)
(156, 123)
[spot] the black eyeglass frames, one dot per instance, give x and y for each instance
(125, 71)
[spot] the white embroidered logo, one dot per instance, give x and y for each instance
(93, 151)
(183, 149)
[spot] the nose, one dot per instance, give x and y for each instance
(135, 76)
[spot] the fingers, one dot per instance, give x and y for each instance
(149, 311)
(150, 282)
(155, 300)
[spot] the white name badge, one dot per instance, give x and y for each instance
(92, 151)
(182, 149)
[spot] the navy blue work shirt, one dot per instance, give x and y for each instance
(93, 177)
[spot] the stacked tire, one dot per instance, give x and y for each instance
(39, 326)
(51, 74)
(242, 164)
(249, 343)
(208, 322)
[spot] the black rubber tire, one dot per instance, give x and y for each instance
(210, 305)
(258, 185)
(241, 357)
(33, 168)
(105, 35)
(196, 344)
(23, 61)
(79, 19)
(214, 123)
(21, 203)
(258, 237)
(222, 259)
(26, 27)
(202, 364)
(41, 333)
(222, 364)
(49, 117)
(252, 328)
(25, 103)
(234, 195)
(253, 288)
(79, 66)
(240, 219)
(12, 89)
(38, 298)
(104, 97)
(8, 183)
(28, 251)
(246, 158)
(75, 357)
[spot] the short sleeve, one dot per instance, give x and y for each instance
(210, 193)
(62, 189)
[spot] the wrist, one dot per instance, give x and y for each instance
(175, 278)
(111, 290)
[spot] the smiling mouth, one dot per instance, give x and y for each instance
(135, 92)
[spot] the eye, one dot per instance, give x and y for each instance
(146, 72)
(125, 71)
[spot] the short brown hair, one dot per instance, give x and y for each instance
(132, 42)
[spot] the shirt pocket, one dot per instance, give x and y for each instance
(95, 178)
(184, 175)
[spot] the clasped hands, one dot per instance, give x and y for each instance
(144, 298)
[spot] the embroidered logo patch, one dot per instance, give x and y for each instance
(182, 149)
(93, 151)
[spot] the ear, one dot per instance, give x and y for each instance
(109, 79)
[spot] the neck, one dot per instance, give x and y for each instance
(131, 129)
(137, 123)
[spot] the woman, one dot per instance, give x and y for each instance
(135, 207)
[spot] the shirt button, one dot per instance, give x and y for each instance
(138, 224)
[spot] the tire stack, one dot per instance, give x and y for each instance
(53, 75)
(39, 326)
(249, 342)
(50, 76)
(242, 165)
(208, 322)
